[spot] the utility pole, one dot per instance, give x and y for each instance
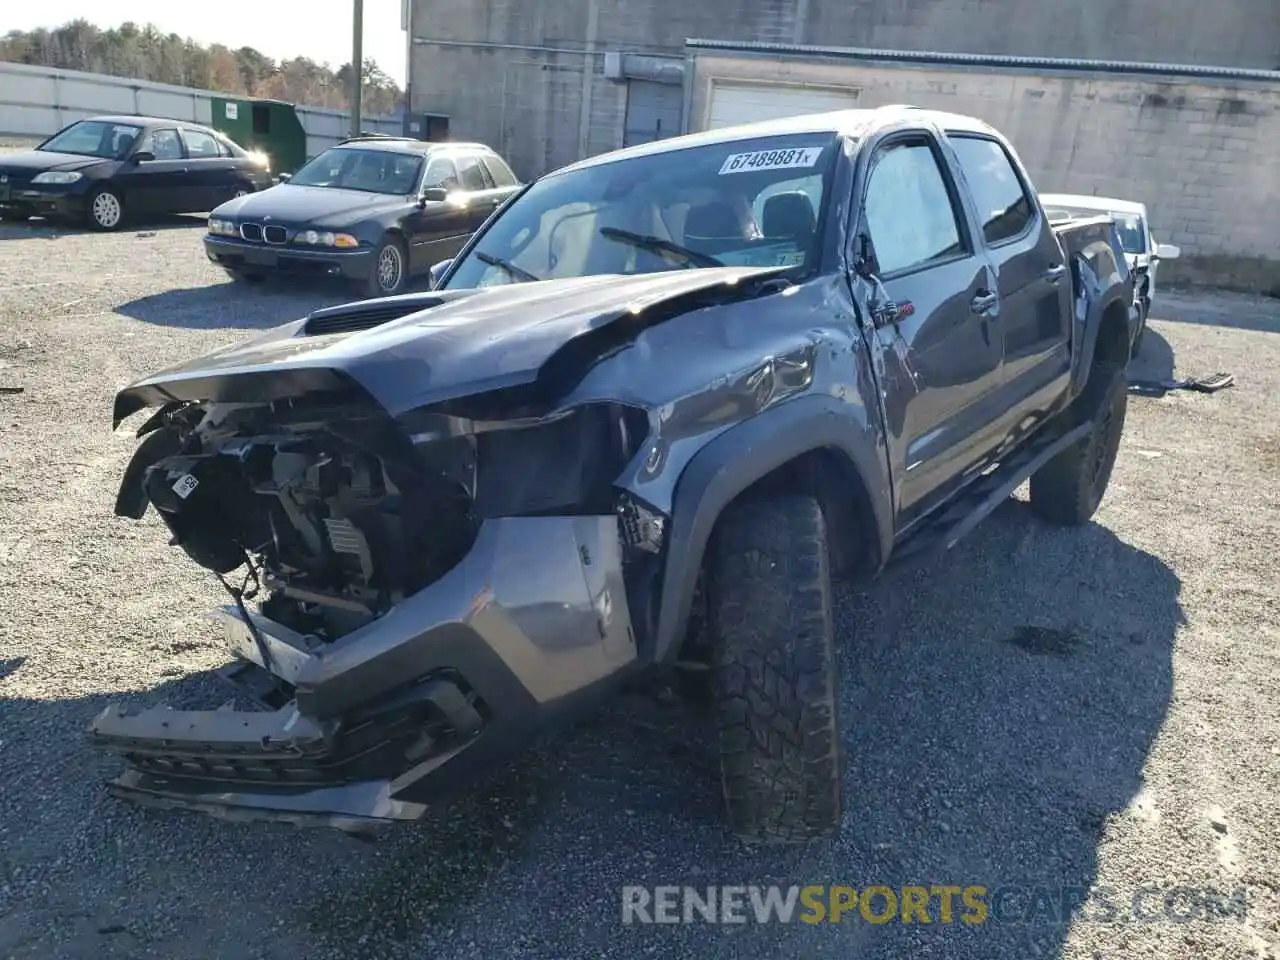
(357, 65)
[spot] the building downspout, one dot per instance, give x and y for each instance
(588, 77)
(801, 21)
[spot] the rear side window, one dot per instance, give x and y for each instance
(441, 173)
(1004, 209)
(471, 173)
(499, 172)
(200, 144)
(908, 209)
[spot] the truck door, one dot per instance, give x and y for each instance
(1033, 282)
(942, 348)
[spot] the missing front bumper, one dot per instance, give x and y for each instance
(533, 621)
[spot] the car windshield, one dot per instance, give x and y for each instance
(94, 138)
(370, 171)
(1133, 234)
(748, 202)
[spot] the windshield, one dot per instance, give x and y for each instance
(750, 202)
(94, 138)
(370, 171)
(1133, 232)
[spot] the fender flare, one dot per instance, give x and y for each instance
(1099, 297)
(739, 457)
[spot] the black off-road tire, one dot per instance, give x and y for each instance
(773, 676)
(1068, 489)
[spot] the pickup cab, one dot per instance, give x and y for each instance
(659, 399)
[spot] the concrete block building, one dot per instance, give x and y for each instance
(547, 83)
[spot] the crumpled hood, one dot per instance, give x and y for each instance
(38, 161)
(463, 342)
(287, 203)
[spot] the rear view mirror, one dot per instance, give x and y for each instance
(143, 156)
(283, 177)
(437, 271)
(1167, 251)
(434, 195)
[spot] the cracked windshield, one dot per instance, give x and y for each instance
(752, 202)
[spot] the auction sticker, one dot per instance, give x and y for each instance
(789, 159)
(185, 486)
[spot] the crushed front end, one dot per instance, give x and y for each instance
(409, 598)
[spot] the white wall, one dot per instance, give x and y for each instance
(37, 101)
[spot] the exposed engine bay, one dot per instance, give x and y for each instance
(339, 512)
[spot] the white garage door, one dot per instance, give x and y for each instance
(743, 103)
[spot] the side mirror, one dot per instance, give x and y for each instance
(437, 271)
(1167, 251)
(433, 195)
(864, 261)
(143, 156)
(283, 177)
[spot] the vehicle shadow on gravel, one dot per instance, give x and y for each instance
(54, 230)
(234, 305)
(997, 705)
(268, 304)
(1155, 362)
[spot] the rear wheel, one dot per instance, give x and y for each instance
(390, 268)
(105, 210)
(774, 671)
(1069, 488)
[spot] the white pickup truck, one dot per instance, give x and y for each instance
(1141, 250)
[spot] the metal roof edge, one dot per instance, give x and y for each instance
(926, 57)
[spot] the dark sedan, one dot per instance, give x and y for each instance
(376, 210)
(107, 170)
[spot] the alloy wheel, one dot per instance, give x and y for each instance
(106, 210)
(390, 267)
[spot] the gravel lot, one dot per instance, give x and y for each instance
(1048, 707)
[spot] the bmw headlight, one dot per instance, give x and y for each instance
(222, 228)
(57, 176)
(325, 238)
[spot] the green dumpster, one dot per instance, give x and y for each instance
(271, 127)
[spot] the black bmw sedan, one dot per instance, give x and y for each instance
(374, 210)
(105, 171)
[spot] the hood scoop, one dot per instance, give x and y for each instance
(365, 315)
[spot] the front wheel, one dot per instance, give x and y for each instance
(1069, 488)
(774, 670)
(390, 268)
(105, 209)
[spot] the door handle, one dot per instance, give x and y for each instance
(983, 302)
(1054, 273)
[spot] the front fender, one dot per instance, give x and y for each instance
(742, 455)
(1101, 285)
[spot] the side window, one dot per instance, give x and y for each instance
(200, 144)
(441, 173)
(471, 173)
(499, 172)
(1003, 206)
(163, 143)
(908, 210)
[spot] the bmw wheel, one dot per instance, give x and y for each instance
(390, 268)
(106, 209)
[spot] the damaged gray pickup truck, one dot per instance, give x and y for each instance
(654, 405)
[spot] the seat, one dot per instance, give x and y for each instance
(789, 216)
(715, 220)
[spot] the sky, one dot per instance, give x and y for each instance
(319, 29)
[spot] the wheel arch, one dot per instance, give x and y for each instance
(816, 445)
(1108, 335)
